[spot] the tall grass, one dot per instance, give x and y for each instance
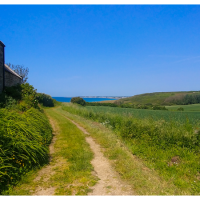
(179, 117)
(24, 140)
(157, 142)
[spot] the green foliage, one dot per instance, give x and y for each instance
(15, 92)
(163, 98)
(56, 103)
(188, 99)
(168, 133)
(189, 108)
(25, 134)
(15, 95)
(155, 141)
(100, 104)
(126, 105)
(179, 117)
(24, 140)
(45, 100)
(24, 97)
(159, 107)
(180, 109)
(78, 100)
(77, 157)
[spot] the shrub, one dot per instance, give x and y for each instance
(45, 100)
(15, 91)
(159, 108)
(15, 94)
(180, 109)
(78, 100)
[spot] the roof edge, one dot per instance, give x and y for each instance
(2, 43)
(7, 68)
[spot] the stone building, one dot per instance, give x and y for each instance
(8, 77)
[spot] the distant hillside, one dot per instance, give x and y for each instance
(156, 98)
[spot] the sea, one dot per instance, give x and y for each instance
(68, 99)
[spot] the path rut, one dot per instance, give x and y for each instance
(110, 182)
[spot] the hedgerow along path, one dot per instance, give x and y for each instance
(77, 165)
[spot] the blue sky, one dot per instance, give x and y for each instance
(112, 50)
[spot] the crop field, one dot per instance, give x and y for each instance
(190, 108)
(178, 116)
(167, 142)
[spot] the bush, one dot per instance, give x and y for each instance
(180, 109)
(78, 100)
(15, 94)
(159, 108)
(45, 100)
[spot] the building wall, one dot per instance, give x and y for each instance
(11, 79)
(1, 67)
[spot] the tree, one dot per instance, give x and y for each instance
(21, 70)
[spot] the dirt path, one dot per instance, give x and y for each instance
(46, 172)
(109, 183)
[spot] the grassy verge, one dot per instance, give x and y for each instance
(144, 181)
(169, 148)
(24, 141)
(69, 172)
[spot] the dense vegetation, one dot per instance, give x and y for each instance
(149, 106)
(45, 100)
(78, 100)
(170, 147)
(25, 134)
(24, 140)
(187, 99)
(21, 97)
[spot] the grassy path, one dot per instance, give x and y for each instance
(143, 181)
(69, 171)
(109, 181)
(98, 164)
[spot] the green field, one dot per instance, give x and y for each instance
(187, 108)
(156, 98)
(156, 137)
(178, 116)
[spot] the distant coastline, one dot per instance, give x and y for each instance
(87, 99)
(107, 97)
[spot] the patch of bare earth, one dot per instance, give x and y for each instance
(110, 182)
(45, 173)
